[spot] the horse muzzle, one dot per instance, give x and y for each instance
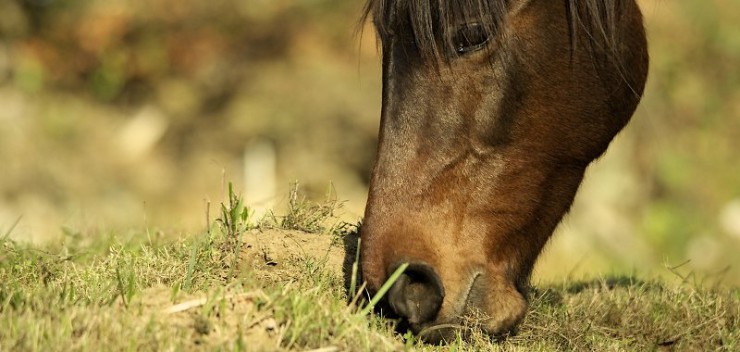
(418, 298)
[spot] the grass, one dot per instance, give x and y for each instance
(306, 215)
(205, 293)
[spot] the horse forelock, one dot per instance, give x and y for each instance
(434, 22)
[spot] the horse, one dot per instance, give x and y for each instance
(491, 112)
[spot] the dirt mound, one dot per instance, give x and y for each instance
(271, 256)
(272, 252)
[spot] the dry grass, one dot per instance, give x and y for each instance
(276, 289)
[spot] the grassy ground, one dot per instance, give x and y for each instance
(270, 287)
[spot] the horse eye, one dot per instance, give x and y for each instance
(470, 37)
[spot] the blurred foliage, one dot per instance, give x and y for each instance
(119, 50)
(688, 129)
(79, 78)
(83, 82)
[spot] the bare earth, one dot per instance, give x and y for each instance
(271, 255)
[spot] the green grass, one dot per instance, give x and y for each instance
(203, 293)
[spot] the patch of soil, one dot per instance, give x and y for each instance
(245, 318)
(275, 251)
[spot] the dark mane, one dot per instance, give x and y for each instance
(431, 20)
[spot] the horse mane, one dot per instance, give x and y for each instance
(433, 19)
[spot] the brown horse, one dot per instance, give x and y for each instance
(492, 110)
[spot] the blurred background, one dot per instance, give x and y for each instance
(123, 115)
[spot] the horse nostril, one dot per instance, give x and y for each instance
(417, 295)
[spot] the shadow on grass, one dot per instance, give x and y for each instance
(350, 235)
(552, 295)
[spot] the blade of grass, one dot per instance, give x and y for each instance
(12, 227)
(355, 267)
(353, 303)
(191, 267)
(384, 289)
(121, 287)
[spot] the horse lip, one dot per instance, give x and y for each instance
(441, 331)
